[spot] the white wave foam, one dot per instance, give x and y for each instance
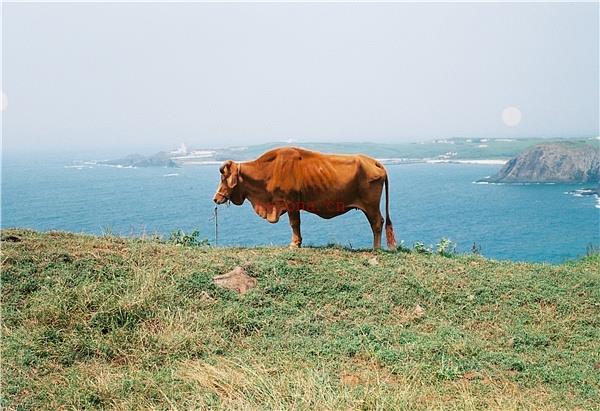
(475, 161)
(492, 183)
(585, 192)
(115, 165)
(201, 163)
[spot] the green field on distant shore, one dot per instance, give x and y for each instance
(455, 148)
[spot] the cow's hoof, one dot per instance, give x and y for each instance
(294, 245)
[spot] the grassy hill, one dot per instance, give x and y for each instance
(106, 322)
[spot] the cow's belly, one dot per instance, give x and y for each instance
(327, 214)
(324, 204)
(324, 208)
(327, 205)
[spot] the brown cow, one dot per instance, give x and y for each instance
(291, 179)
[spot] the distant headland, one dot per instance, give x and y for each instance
(575, 161)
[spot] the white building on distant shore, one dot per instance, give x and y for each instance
(182, 150)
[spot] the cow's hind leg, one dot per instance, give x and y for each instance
(376, 221)
(295, 224)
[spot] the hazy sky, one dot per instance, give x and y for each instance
(149, 76)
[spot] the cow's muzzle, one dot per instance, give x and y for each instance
(219, 198)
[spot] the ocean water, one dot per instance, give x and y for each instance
(537, 222)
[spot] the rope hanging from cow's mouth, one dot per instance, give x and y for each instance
(216, 217)
(216, 225)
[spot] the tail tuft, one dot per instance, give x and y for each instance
(389, 228)
(389, 236)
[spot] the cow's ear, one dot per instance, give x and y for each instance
(232, 180)
(225, 168)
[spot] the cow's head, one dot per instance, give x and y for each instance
(229, 187)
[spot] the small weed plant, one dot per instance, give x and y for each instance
(182, 238)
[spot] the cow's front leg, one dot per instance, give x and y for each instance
(295, 224)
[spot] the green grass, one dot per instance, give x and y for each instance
(107, 322)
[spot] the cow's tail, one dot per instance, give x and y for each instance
(389, 228)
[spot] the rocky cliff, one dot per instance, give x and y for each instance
(563, 162)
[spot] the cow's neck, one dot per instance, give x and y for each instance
(255, 177)
(253, 181)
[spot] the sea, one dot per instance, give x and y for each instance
(550, 223)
